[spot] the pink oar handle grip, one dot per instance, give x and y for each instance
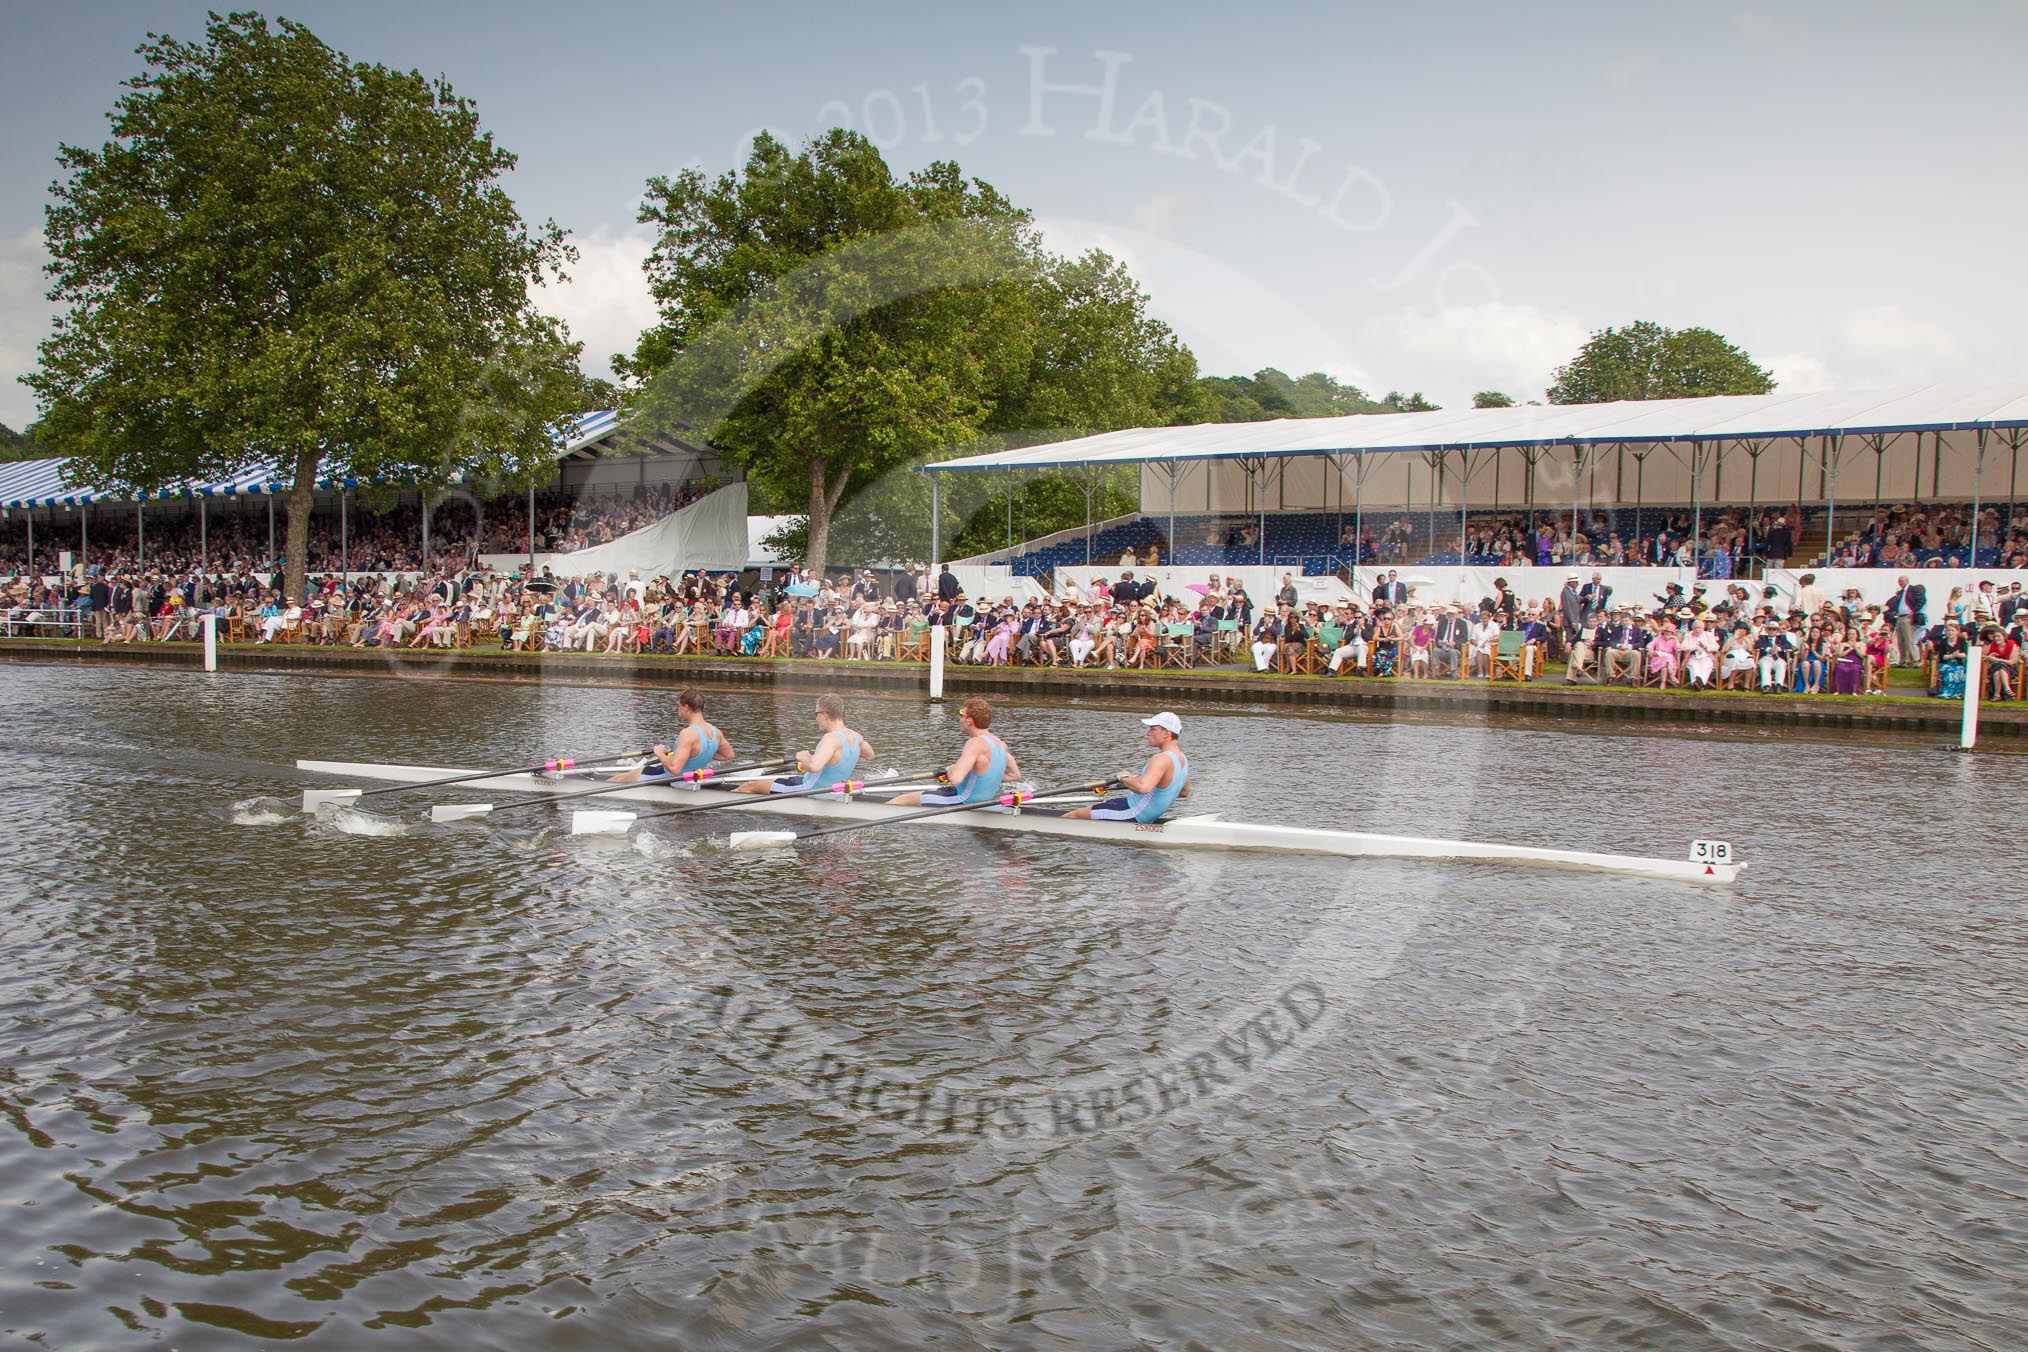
(1015, 799)
(849, 786)
(558, 764)
(694, 775)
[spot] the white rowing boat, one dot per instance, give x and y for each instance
(1202, 831)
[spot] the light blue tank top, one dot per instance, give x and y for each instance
(840, 770)
(1149, 807)
(707, 747)
(983, 786)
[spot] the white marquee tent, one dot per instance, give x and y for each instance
(1923, 443)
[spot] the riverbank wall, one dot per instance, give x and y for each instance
(1543, 698)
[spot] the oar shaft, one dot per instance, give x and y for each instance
(1001, 800)
(561, 763)
(552, 800)
(761, 800)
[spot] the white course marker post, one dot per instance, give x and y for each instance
(936, 659)
(210, 624)
(1968, 734)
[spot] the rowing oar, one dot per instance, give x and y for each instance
(617, 823)
(454, 812)
(761, 840)
(314, 798)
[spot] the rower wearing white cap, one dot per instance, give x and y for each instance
(1152, 792)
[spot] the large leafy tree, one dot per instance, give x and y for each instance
(824, 323)
(286, 257)
(1644, 360)
(1271, 393)
(18, 445)
(829, 325)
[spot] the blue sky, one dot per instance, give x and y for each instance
(1436, 197)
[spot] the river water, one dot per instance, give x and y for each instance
(275, 1079)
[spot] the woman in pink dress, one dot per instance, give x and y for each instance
(996, 646)
(1662, 654)
(1878, 643)
(1419, 640)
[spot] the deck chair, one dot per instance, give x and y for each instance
(1300, 659)
(1230, 640)
(914, 645)
(1178, 646)
(1509, 657)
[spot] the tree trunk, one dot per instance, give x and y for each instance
(302, 497)
(819, 543)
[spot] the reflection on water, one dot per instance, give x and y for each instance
(481, 1084)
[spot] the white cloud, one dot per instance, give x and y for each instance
(1233, 321)
(1627, 74)
(1160, 214)
(1755, 24)
(1800, 373)
(24, 322)
(1454, 353)
(1884, 343)
(606, 302)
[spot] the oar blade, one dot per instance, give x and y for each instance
(457, 812)
(600, 823)
(316, 798)
(746, 841)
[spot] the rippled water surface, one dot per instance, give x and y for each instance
(486, 1085)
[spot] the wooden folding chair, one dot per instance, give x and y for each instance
(1509, 656)
(1231, 642)
(914, 646)
(1178, 646)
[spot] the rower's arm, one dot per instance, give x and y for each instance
(1148, 780)
(1014, 774)
(725, 751)
(967, 761)
(826, 752)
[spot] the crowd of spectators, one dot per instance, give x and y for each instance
(1937, 535)
(231, 538)
(1727, 635)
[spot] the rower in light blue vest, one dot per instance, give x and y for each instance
(698, 745)
(832, 761)
(1155, 790)
(980, 769)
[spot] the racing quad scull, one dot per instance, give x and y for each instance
(1709, 862)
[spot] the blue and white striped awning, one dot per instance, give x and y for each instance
(43, 483)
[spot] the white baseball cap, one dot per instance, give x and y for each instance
(1166, 721)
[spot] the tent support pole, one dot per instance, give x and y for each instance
(1696, 510)
(141, 532)
(1358, 516)
(1172, 513)
(1830, 497)
(271, 532)
(936, 520)
(344, 532)
(1978, 479)
(203, 536)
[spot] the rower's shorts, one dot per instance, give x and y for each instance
(944, 797)
(655, 770)
(1111, 810)
(789, 783)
